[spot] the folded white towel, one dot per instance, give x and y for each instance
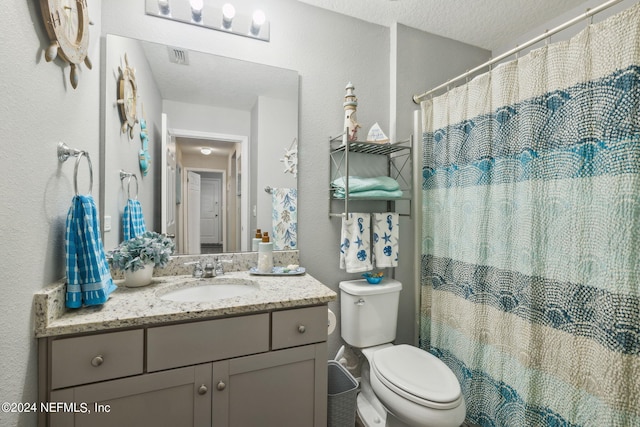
(385, 239)
(355, 243)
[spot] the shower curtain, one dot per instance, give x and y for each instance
(531, 233)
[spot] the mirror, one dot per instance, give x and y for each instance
(245, 115)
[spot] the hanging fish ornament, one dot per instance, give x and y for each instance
(145, 157)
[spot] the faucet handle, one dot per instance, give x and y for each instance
(219, 267)
(197, 268)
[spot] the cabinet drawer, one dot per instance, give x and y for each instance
(92, 358)
(301, 326)
(207, 341)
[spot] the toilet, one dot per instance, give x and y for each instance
(401, 385)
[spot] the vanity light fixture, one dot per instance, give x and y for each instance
(228, 13)
(219, 15)
(196, 11)
(206, 151)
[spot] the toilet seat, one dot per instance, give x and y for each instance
(417, 376)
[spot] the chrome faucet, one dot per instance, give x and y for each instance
(208, 270)
(197, 269)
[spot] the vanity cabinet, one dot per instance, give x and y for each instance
(177, 397)
(272, 389)
(266, 369)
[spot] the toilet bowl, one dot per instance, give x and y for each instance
(401, 385)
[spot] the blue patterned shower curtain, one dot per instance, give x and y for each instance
(531, 233)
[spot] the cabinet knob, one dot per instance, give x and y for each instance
(202, 389)
(302, 329)
(221, 385)
(97, 361)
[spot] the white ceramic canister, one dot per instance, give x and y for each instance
(265, 255)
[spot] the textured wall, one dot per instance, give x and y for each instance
(38, 109)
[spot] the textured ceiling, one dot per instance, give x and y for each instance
(490, 24)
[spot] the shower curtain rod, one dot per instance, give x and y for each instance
(547, 34)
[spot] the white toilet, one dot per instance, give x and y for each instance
(401, 385)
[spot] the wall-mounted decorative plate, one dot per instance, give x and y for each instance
(67, 24)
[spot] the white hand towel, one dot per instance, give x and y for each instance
(385, 239)
(355, 243)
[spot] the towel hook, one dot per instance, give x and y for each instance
(64, 152)
(129, 175)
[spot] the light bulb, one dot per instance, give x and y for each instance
(206, 151)
(228, 13)
(258, 19)
(196, 10)
(163, 6)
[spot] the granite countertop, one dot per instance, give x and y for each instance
(128, 307)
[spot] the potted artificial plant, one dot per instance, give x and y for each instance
(138, 256)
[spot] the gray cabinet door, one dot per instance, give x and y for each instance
(179, 397)
(277, 389)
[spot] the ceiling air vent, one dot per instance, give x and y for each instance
(178, 56)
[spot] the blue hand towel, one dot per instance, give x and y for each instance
(285, 218)
(88, 277)
(133, 220)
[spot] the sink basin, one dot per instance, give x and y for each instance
(211, 290)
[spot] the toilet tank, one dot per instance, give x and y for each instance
(369, 313)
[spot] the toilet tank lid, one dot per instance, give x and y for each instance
(362, 287)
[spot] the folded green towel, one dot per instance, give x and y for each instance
(369, 194)
(358, 184)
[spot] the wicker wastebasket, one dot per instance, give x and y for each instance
(343, 389)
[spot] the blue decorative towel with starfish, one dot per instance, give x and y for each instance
(89, 280)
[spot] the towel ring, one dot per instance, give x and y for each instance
(129, 175)
(75, 172)
(129, 186)
(64, 152)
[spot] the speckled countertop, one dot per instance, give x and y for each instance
(144, 306)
